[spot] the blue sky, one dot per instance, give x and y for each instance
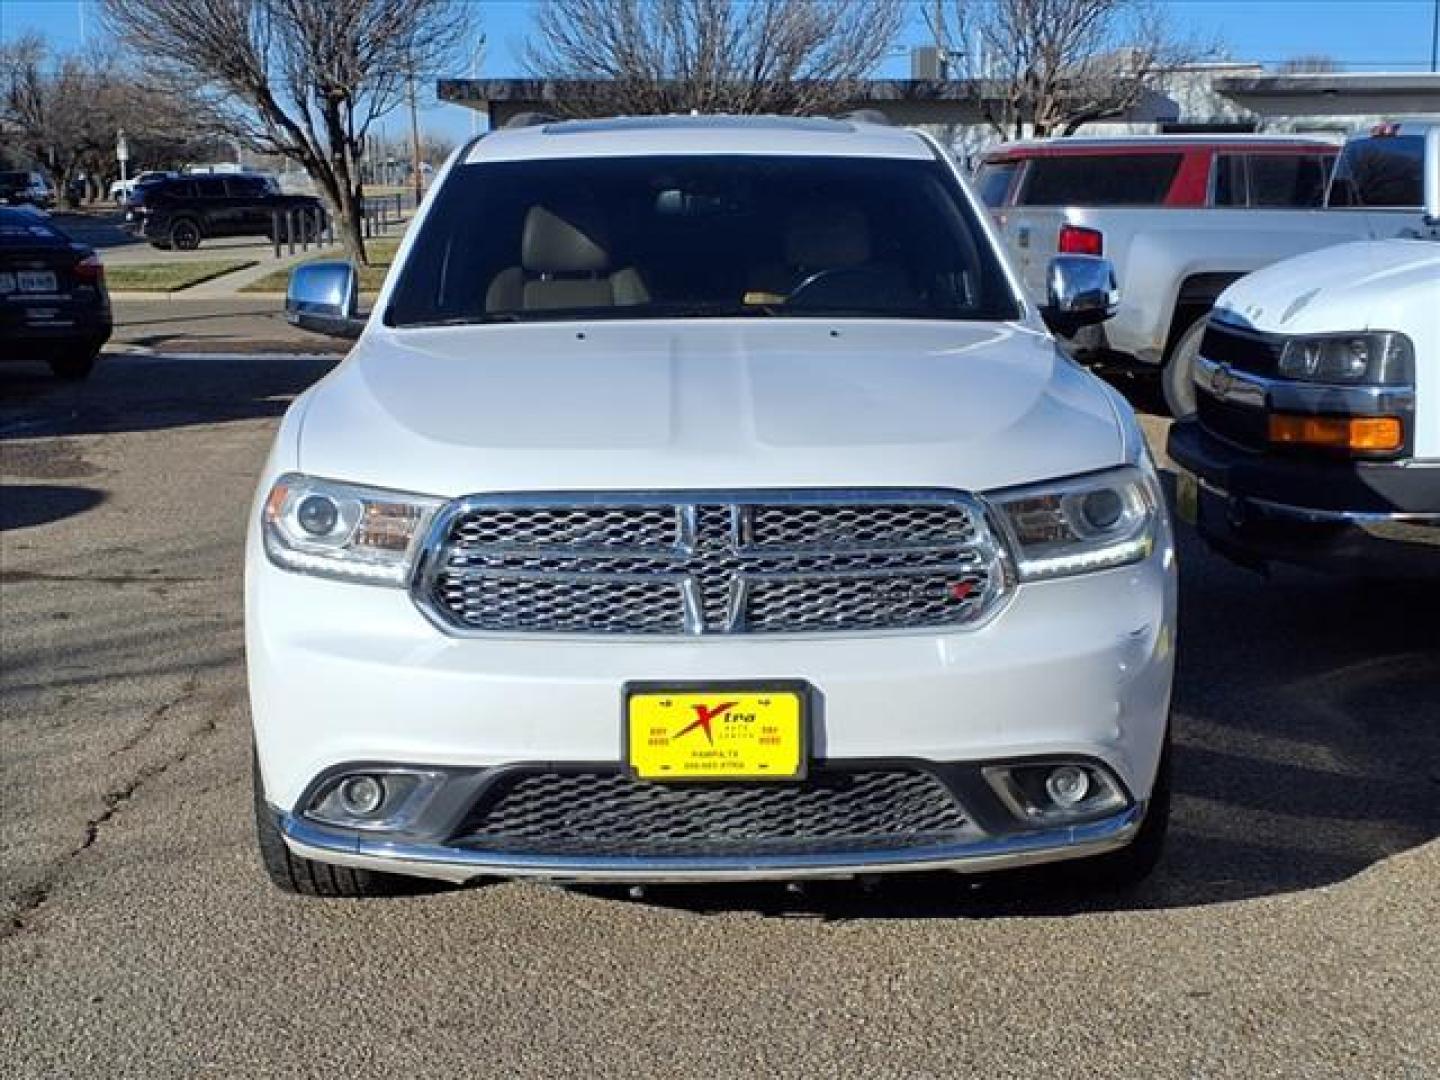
(1364, 35)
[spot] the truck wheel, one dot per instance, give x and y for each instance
(305, 877)
(1177, 377)
(184, 235)
(73, 367)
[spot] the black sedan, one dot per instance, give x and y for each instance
(53, 303)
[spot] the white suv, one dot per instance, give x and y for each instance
(703, 500)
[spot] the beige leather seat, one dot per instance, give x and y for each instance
(564, 263)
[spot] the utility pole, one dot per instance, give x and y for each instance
(415, 141)
(1435, 39)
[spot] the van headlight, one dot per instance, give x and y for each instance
(1079, 524)
(1371, 358)
(323, 527)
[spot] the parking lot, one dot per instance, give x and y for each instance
(1290, 931)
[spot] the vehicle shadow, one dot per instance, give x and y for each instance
(142, 393)
(26, 505)
(1307, 748)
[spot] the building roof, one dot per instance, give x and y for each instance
(645, 135)
(1336, 93)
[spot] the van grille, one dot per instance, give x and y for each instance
(712, 563)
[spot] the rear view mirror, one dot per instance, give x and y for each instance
(1080, 290)
(324, 297)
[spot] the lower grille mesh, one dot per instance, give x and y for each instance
(600, 813)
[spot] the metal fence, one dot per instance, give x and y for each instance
(300, 228)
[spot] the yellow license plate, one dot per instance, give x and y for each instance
(719, 732)
(1187, 497)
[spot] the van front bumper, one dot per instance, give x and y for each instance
(1356, 518)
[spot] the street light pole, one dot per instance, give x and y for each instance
(122, 155)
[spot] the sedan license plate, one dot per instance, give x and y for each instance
(36, 281)
(718, 731)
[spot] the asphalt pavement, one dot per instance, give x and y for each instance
(1291, 929)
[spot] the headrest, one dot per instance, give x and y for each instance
(570, 241)
(827, 236)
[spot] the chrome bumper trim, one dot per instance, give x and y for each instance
(459, 864)
(1238, 387)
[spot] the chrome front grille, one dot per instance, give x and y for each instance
(712, 563)
(608, 813)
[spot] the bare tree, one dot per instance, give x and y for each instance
(302, 79)
(59, 110)
(737, 56)
(65, 110)
(1050, 66)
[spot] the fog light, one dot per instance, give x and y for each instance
(1067, 785)
(362, 795)
(1057, 792)
(380, 800)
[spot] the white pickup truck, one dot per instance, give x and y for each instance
(1317, 438)
(1172, 263)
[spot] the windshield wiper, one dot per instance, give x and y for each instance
(469, 320)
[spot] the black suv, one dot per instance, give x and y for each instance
(181, 211)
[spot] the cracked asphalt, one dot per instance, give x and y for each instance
(1290, 931)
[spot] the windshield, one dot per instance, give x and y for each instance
(694, 236)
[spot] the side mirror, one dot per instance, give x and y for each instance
(1080, 290)
(325, 297)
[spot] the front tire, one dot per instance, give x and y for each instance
(306, 877)
(1178, 376)
(184, 235)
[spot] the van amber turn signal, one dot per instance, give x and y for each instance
(1363, 434)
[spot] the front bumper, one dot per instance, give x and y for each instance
(447, 863)
(343, 673)
(1359, 518)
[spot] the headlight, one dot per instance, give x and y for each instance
(344, 531)
(1375, 359)
(1084, 523)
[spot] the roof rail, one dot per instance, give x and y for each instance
(531, 119)
(866, 116)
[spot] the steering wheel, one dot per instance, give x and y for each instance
(819, 277)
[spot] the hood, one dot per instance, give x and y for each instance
(706, 404)
(1360, 286)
